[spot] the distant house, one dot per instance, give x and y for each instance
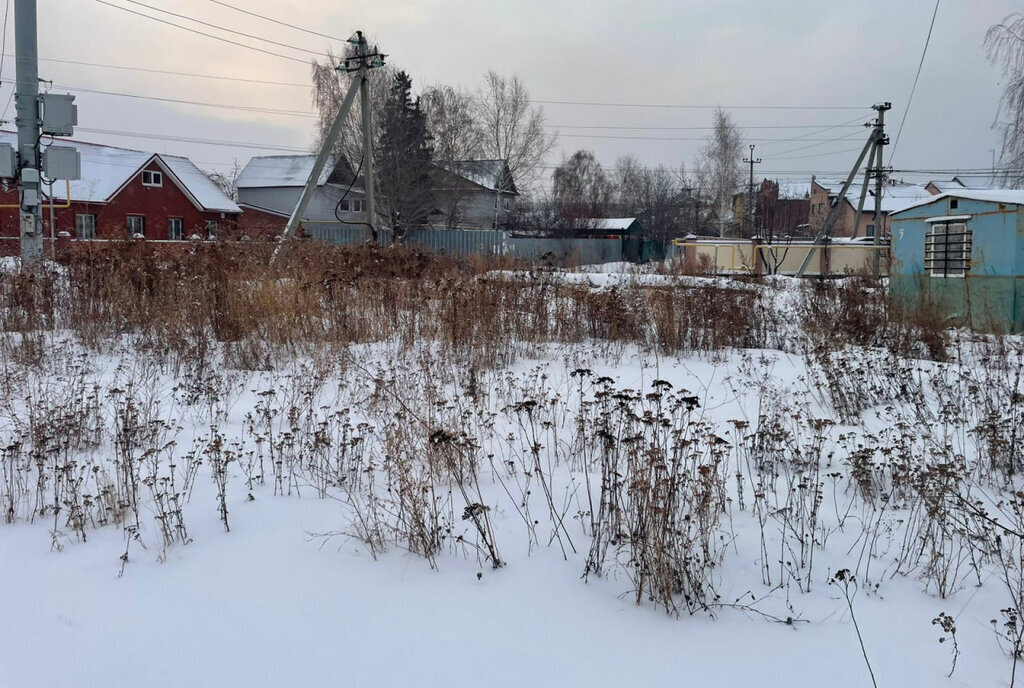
(269, 187)
(469, 194)
(125, 193)
(824, 193)
(783, 207)
(474, 194)
(962, 252)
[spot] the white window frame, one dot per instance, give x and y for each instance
(171, 221)
(945, 243)
(142, 225)
(155, 178)
(83, 229)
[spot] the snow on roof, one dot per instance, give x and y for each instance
(794, 190)
(1013, 196)
(105, 169)
(609, 223)
(489, 174)
(281, 170)
(895, 196)
(195, 181)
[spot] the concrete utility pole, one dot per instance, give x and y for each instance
(364, 100)
(27, 119)
(360, 66)
(748, 216)
(880, 175)
(872, 152)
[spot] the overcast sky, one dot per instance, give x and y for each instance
(741, 54)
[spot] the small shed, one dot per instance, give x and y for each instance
(962, 252)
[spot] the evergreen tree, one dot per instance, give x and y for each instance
(404, 159)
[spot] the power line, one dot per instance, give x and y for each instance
(709, 128)
(692, 107)
(202, 33)
(916, 77)
(169, 72)
(160, 99)
(679, 138)
(188, 139)
(820, 155)
(845, 137)
(221, 28)
(276, 21)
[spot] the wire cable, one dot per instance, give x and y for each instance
(202, 33)
(913, 88)
(160, 99)
(222, 28)
(276, 21)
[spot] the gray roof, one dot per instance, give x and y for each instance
(894, 196)
(490, 174)
(1012, 196)
(281, 170)
(105, 169)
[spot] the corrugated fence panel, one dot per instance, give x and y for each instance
(460, 242)
(578, 251)
(465, 242)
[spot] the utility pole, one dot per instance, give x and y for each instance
(872, 151)
(879, 173)
(27, 119)
(364, 100)
(691, 194)
(360, 66)
(749, 214)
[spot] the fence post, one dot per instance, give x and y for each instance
(823, 265)
(755, 245)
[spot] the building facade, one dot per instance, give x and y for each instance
(962, 253)
(124, 193)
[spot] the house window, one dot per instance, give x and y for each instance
(356, 205)
(211, 229)
(508, 204)
(85, 226)
(174, 228)
(947, 250)
(152, 178)
(136, 225)
(954, 204)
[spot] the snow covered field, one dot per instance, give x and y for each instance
(582, 513)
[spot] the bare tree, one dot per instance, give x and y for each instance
(719, 168)
(455, 137)
(450, 121)
(329, 88)
(225, 181)
(652, 195)
(1004, 45)
(512, 129)
(581, 189)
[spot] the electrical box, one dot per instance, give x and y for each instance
(59, 114)
(62, 162)
(8, 161)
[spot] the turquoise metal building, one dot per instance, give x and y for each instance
(963, 253)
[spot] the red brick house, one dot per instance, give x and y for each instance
(125, 193)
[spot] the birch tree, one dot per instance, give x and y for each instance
(1004, 45)
(512, 128)
(719, 168)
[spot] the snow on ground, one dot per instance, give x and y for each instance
(293, 596)
(273, 602)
